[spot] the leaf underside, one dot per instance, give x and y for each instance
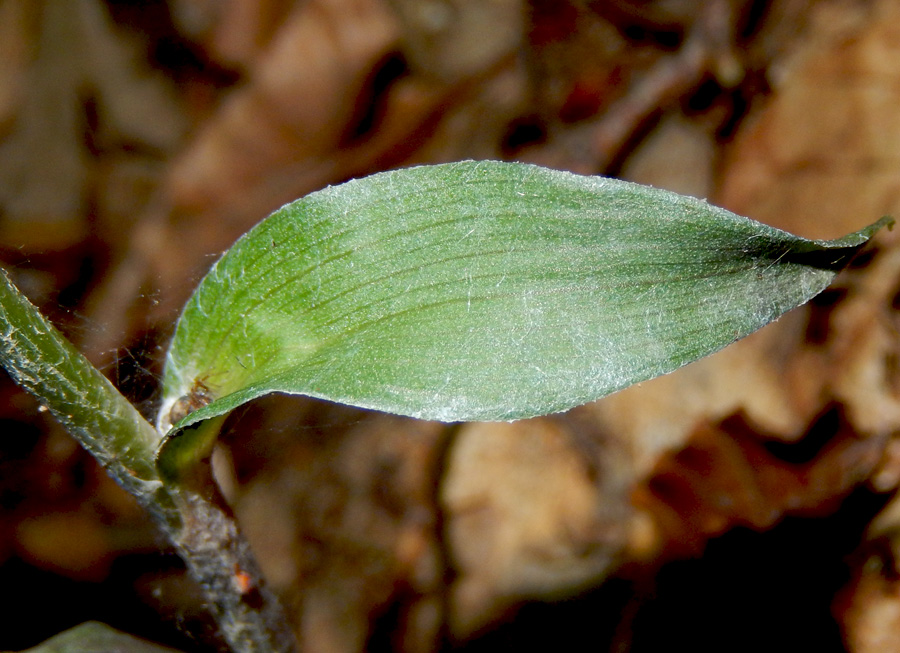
(481, 291)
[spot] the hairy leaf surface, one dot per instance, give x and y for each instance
(481, 291)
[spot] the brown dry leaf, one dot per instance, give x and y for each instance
(725, 476)
(678, 156)
(871, 612)
(529, 514)
(80, 64)
(653, 85)
(14, 57)
(299, 100)
(233, 32)
(456, 39)
(579, 62)
(46, 542)
(829, 138)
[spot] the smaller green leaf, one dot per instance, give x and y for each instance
(95, 637)
(477, 291)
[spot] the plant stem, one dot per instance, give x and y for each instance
(249, 615)
(48, 366)
(193, 516)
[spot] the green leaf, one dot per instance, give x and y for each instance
(94, 637)
(481, 291)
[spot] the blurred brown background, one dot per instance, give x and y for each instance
(740, 503)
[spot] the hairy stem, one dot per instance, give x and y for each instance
(193, 516)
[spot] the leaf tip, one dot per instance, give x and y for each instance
(884, 221)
